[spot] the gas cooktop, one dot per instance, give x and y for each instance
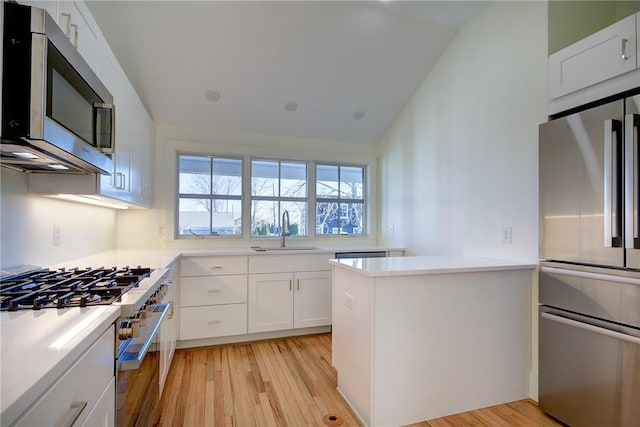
(75, 287)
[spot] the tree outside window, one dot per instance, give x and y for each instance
(339, 199)
(210, 195)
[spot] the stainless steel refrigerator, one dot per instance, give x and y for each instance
(589, 276)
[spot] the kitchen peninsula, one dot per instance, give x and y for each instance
(417, 338)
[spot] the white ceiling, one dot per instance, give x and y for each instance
(334, 59)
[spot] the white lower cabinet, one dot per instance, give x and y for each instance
(213, 297)
(103, 414)
(213, 321)
(82, 394)
(169, 328)
(289, 300)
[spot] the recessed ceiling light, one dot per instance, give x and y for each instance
(291, 106)
(212, 95)
(358, 115)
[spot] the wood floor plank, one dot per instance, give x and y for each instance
(287, 382)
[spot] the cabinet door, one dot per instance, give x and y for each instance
(312, 301)
(73, 396)
(51, 6)
(104, 414)
(142, 154)
(594, 59)
(122, 157)
(77, 27)
(270, 302)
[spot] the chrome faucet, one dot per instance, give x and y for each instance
(284, 227)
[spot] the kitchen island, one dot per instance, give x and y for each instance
(417, 338)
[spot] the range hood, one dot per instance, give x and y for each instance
(64, 152)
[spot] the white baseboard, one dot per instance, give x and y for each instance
(252, 337)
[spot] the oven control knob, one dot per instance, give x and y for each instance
(141, 316)
(135, 327)
(125, 330)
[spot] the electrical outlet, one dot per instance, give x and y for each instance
(392, 230)
(56, 235)
(507, 235)
(159, 229)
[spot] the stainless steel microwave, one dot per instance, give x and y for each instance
(56, 113)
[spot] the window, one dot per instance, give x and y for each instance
(210, 195)
(277, 186)
(340, 202)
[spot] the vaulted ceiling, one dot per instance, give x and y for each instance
(334, 70)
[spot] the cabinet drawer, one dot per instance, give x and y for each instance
(213, 321)
(289, 263)
(213, 266)
(55, 407)
(212, 290)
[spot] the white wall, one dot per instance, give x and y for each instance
(140, 228)
(26, 231)
(461, 162)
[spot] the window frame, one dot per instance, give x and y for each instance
(279, 199)
(211, 197)
(368, 164)
(364, 201)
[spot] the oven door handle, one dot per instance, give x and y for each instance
(591, 328)
(129, 361)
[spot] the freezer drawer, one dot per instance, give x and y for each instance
(589, 374)
(604, 293)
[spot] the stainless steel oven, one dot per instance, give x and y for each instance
(138, 366)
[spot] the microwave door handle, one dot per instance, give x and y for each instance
(631, 183)
(112, 121)
(612, 181)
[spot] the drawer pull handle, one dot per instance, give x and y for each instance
(214, 290)
(213, 322)
(77, 408)
(215, 267)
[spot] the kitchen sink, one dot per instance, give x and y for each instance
(287, 248)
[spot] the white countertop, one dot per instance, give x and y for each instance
(418, 265)
(30, 363)
(39, 345)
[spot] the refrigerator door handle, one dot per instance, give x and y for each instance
(631, 184)
(612, 183)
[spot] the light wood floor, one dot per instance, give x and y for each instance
(285, 382)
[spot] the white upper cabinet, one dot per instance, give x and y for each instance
(51, 6)
(597, 66)
(76, 22)
(142, 165)
(131, 178)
